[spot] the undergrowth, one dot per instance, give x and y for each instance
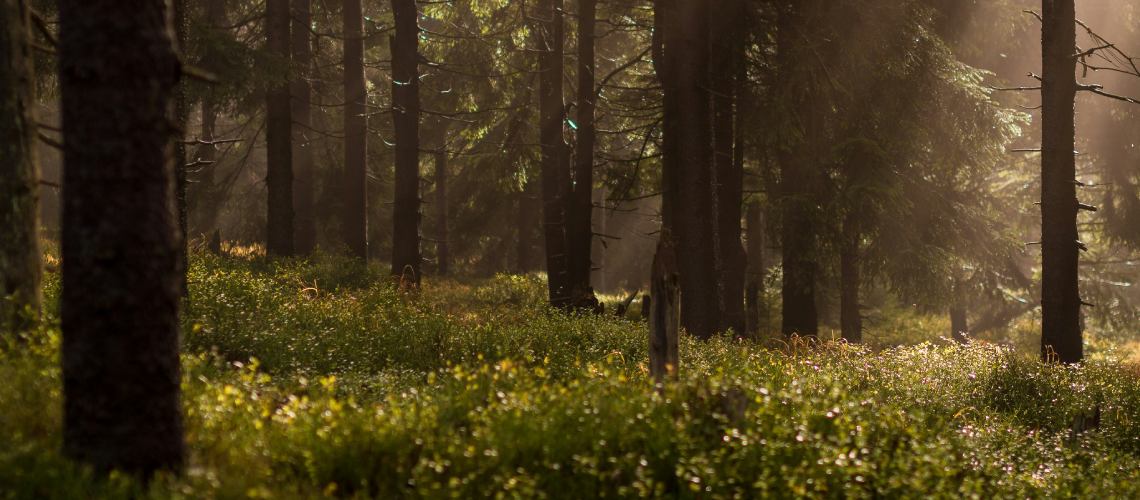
(320, 379)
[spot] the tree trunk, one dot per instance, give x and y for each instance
(671, 120)
(20, 265)
(797, 188)
(579, 208)
(727, 50)
(354, 221)
(120, 302)
(305, 234)
(850, 281)
(278, 135)
(181, 112)
(555, 162)
(1060, 302)
(665, 317)
(599, 248)
(754, 276)
(959, 327)
(443, 254)
(406, 257)
(686, 45)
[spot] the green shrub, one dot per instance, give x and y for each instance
(478, 390)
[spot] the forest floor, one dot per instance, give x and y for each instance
(317, 378)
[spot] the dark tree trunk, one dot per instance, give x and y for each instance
(442, 253)
(959, 327)
(598, 249)
(797, 188)
(727, 64)
(690, 171)
(555, 162)
(305, 235)
(354, 221)
(1060, 301)
(754, 276)
(850, 282)
(20, 265)
(181, 112)
(580, 206)
(406, 257)
(118, 72)
(671, 120)
(278, 135)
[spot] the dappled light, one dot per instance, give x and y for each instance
(569, 249)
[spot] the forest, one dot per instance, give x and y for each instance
(569, 248)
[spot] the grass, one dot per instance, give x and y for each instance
(316, 378)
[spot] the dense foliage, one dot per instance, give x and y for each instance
(315, 378)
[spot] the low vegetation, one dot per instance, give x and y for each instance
(317, 378)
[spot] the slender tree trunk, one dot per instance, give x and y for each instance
(598, 248)
(671, 119)
(959, 327)
(354, 222)
(555, 162)
(850, 282)
(278, 135)
(727, 50)
(181, 114)
(1060, 302)
(120, 303)
(305, 235)
(443, 253)
(20, 265)
(754, 276)
(580, 206)
(406, 257)
(797, 187)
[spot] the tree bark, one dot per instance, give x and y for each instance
(959, 327)
(727, 50)
(443, 253)
(549, 31)
(797, 187)
(580, 206)
(671, 120)
(850, 282)
(694, 204)
(305, 234)
(120, 298)
(354, 221)
(181, 114)
(1060, 301)
(20, 264)
(754, 276)
(406, 259)
(278, 134)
